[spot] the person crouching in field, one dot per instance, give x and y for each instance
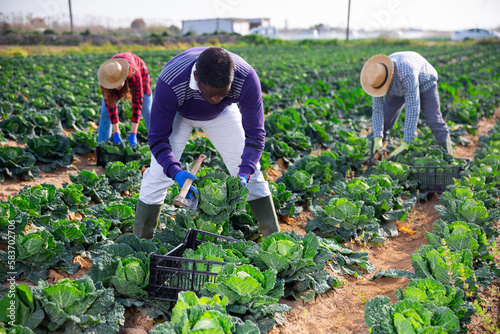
(403, 79)
(124, 77)
(219, 92)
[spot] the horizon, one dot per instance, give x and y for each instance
(365, 15)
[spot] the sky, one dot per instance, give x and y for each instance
(444, 15)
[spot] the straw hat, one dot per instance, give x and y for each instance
(376, 75)
(113, 73)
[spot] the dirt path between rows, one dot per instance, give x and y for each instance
(341, 310)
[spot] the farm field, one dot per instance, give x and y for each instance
(368, 233)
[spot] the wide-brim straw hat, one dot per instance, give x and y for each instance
(113, 73)
(376, 75)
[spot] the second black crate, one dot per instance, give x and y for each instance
(103, 156)
(435, 179)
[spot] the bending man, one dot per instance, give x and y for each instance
(406, 79)
(200, 88)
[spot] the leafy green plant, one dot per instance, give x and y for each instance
(378, 191)
(77, 117)
(72, 195)
(20, 308)
(52, 151)
(446, 266)
(192, 314)
(124, 177)
(15, 127)
(397, 171)
(79, 236)
(311, 176)
(45, 123)
(47, 199)
(124, 266)
(459, 204)
(120, 214)
(124, 152)
(298, 181)
(15, 162)
(430, 290)
(12, 221)
(195, 147)
(281, 149)
(95, 186)
(250, 293)
(220, 197)
(409, 316)
(345, 219)
(83, 142)
(209, 251)
(459, 236)
(284, 200)
(298, 260)
(345, 261)
(481, 190)
(35, 254)
(79, 305)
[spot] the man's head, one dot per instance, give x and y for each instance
(376, 75)
(214, 73)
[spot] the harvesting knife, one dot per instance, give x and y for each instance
(181, 199)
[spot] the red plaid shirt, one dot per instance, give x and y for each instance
(139, 83)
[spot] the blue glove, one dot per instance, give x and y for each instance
(132, 138)
(181, 177)
(243, 179)
(116, 138)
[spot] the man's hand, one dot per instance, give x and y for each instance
(243, 179)
(132, 138)
(377, 145)
(181, 177)
(404, 146)
(117, 138)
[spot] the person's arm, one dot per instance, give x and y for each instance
(134, 127)
(115, 128)
(163, 112)
(412, 106)
(378, 116)
(252, 114)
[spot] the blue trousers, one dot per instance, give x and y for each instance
(104, 132)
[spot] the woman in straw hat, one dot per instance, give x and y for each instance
(403, 79)
(123, 77)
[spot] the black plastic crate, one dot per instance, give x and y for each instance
(103, 156)
(434, 179)
(171, 273)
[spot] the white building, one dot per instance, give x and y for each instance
(227, 25)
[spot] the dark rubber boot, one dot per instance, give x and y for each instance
(263, 209)
(447, 146)
(146, 219)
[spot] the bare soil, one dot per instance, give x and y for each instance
(341, 310)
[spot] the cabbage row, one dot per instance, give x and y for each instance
(457, 264)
